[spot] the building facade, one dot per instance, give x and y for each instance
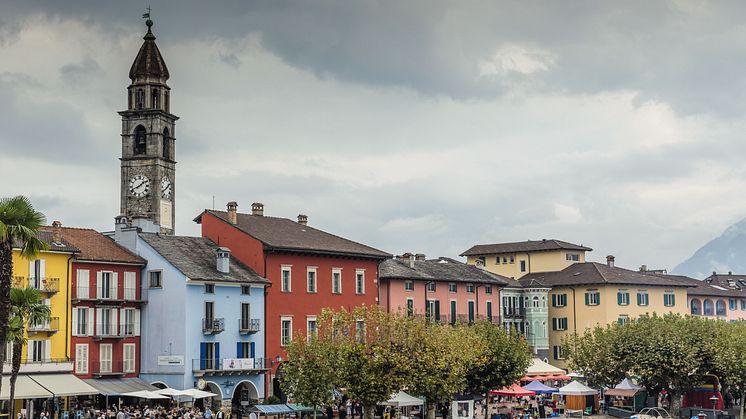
(719, 296)
(309, 270)
(105, 300)
(442, 290)
(203, 325)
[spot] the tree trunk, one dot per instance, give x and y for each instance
(431, 410)
(13, 376)
(6, 273)
(675, 403)
(369, 411)
(743, 399)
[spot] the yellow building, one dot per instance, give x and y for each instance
(584, 295)
(517, 259)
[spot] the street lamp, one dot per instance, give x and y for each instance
(714, 400)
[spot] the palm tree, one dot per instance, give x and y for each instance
(27, 308)
(19, 224)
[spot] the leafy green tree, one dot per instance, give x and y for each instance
(729, 358)
(503, 359)
(19, 225)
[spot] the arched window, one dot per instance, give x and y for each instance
(536, 302)
(140, 144)
(140, 99)
(696, 307)
(166, 101)
(720, 308)
(166, 143)
(707, 308)
(155, 98)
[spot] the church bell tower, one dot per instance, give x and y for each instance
(148, 164)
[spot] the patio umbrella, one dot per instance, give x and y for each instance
(539, 388)
(168, 391)
(145, 394)
(196, 394)
(514, 390)
(577, 389)
(402, 399)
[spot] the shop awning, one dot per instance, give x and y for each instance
(300, 407)
(26, 388)
(63, 384)
(119, 386)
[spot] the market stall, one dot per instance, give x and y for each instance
(579, 398)
(624, 398)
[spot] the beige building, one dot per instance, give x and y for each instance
(514, 260)
(584, 295)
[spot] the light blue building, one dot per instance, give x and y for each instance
(203, 324)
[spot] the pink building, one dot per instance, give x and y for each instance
(442, 289)
(719, 296)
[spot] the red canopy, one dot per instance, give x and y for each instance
(559, 377)
(513, 390)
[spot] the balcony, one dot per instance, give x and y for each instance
(51, 327)
(229, 366)
(51, 365)
(108, 368)
(45, 285)
(108, 296)
(249, 326)
(107, 331)
(213, 326)
(513, 312)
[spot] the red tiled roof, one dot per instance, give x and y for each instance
(94, 246)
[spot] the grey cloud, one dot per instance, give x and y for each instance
(80, 73)
(230, 59)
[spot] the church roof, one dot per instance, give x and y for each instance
(149, 61)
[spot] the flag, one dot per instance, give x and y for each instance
(146, 15)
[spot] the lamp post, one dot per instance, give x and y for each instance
(714, 401)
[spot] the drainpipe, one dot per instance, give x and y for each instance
(67, 305)
(574, 315)
(476, 292)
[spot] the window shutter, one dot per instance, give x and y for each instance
(672, 300)
(217, 352)
(252, 349)
(639, 299)
(554, 323)
(90, 325)
(437, 310)
(202, 351)
(619, 298)
(239, 350)
(554, 300)
(30, 350)
(114, 285)
(114, 320)
(587, 298)
(100, 325)
(554, 348)
(98, 284)
(31, 271)
(42, 269)
(136, 320)
(47, 350)
(75, 322)
(122, 320)
(598, 298)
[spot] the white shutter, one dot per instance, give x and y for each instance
(42, 273)
(84, 283)
(75, 323)
(31, 272)
(99, 325)
(90, 321)
(114, 285)
(98, 284)
(30, 350)
(114, 321)
(47, 350)
(130, 291)
(122, 321)
(136, 316)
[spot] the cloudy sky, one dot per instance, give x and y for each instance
(422, 126)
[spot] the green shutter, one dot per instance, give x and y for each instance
(639, 299)
(587, 298)
(619, 298)
(554, 300)
(554, 323)
(673, 300)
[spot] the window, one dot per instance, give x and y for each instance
(81, 358)
(286, 331)
(470, 288)
(105, 357)
(452, 287)
(209, 312)
(128, 322)
(83, 283)
(209, 288)
(130, 285)
(592, 298)
(696, 307)
(285, 279)
(453, 312)
(559, 353)
(129, 357)
(106, 285)
(360, 330)
(523, 266)
(623, 319)
(245, 316)
(432, 310)
(559, 300)
(166, 143)
(359, 281)
(311, 280)
(39, 350)
(643, 298)
(310, 327)
(245, 290)
(489, 311)
(622, 297)
(154, 278)
(471, 314)
(81, 321)
(720, 308)
(140, 143)
(743, 304)
(497, 260)
(733, 304)
(535, 302)
(140, 98)
(708, 309)
(512, 259)
(669, 299)
(559, 323)
(430, 286)
(106, 322)
(154, 98)
(573, 257)
(209, 355)
(410, 307)
(336, 281)
(488, 289)
(408, 285)
(36, 273)
(505, 260)
(244, 350)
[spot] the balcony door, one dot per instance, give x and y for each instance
(209, 357)
(209, 312)
(105, 355)
(245, 316)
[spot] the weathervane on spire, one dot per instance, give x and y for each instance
(147, 14)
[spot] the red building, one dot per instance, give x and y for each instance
(309, 269)
(106, 298)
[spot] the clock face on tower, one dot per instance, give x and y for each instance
(139, 186)
(166, 188)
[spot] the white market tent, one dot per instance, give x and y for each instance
(576, 388)
(145, 394)
(402, 399)
(624, 389)
(168, 391)
(196, 394)
(539, 367)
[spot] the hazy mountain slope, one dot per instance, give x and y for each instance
(726, 253)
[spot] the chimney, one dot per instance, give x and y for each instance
(257, 208)
(232, 217)
(302, 219)
(610, 261)
(56, 232)
(643, 268)
(224, 260)
(730, 273)
(419, 256)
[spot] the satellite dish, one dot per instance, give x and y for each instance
(201, 384)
